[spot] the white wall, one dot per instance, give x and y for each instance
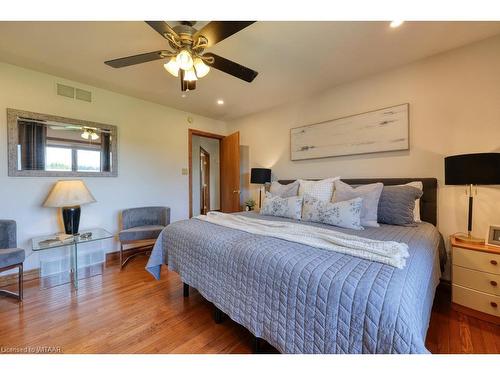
(152, 150)
(211, 146)
(454, 108)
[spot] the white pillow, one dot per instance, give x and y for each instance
(416, 211)
(322, 190)
(282, 207)
(345, 214)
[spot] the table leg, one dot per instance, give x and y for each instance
(75, 265)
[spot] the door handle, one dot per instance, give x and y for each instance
(236, 192)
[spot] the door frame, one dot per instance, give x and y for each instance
(200, 133)
(207, 162)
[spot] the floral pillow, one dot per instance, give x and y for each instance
(283, 207)
(345, 214)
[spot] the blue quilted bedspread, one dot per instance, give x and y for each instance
(306, 300)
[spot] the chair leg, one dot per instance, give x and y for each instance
(138, 251)
(121, 256)
(19, 294)
(21, 279)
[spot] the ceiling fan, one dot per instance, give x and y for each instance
(188, 60)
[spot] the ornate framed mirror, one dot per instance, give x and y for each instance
(43, 145)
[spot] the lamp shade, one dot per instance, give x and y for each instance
(69, 193)
(472, 169)
(260, 175)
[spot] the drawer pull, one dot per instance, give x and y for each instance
(493, 304)
(494, 262)
(493, 283)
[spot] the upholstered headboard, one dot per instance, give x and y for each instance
(428, 202)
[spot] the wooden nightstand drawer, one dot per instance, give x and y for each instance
(479, 301)
(482, 281)
(476, 260)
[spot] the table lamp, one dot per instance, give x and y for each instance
(260, 176)
(470, 170)
(69, 195)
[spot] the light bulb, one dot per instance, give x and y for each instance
(172, 67)
(85, 134)
(396, 23)
(202, 69)
(94, 136)
(184, 60)
(190, 75)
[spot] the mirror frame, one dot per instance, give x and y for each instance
(13, 140)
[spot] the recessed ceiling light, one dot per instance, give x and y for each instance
(183, 95)
(220, 102)
(395, 24)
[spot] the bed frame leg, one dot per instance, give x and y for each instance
(218, 315)
(256, 345)
(185, 289)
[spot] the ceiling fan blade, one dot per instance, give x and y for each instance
(232, 68)
(216, 31)
(161, 27)
(137, 59)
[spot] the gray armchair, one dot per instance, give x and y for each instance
(11, 256)
(141, 227)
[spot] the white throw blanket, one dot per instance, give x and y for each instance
(387, 252)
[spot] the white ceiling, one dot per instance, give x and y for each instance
(294, 59)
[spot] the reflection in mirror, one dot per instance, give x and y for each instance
(62, 148)
(50, 146)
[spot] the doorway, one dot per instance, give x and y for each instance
(214, 172)
(205, 181)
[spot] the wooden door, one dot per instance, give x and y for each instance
(204, 181)
(230, 173)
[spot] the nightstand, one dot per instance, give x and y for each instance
(475, 279)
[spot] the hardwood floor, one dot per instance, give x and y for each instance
(451, 331)
(130, 312)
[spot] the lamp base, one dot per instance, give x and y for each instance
(469, 239)
(71, 219)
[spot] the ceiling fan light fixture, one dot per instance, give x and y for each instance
(396, 23)
(172, 67)
(89, 134)
(190, 75)
(201, 68)
(184, 60)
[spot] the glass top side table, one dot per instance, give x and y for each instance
(60, 240)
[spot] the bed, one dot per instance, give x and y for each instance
(303, 299)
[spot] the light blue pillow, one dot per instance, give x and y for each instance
(369, 193)
(284, 191)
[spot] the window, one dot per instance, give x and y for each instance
(69, 159)
(88, 160)
(58, 159)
